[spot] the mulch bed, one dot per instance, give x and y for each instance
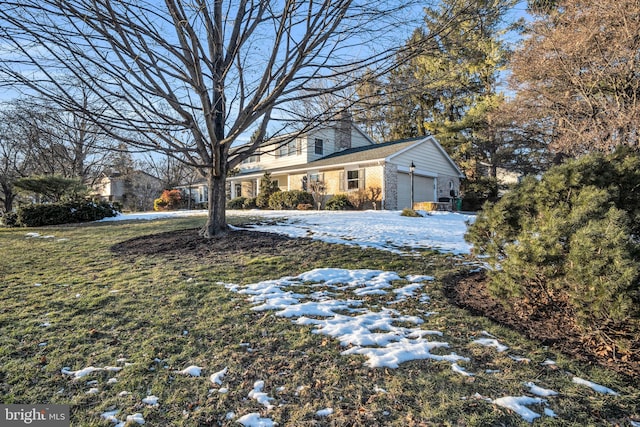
(554, 327)
(190, 243)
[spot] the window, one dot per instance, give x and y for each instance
(290, 149)
(252, 159)
(319, 146)
(355, 179)
(315, 177)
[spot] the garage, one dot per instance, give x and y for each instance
(423, 189)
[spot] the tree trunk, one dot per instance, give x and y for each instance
(216, 224)
(8, 197)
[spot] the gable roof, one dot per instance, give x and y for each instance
(369, 152)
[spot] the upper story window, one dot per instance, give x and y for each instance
(291, 148)
(252, 159)
(319, 146)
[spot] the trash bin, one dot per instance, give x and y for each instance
(458, 203)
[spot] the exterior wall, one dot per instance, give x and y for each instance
(429, 162)
(247, 189)
(390, 189)
(269, 159)
(374, 176)
(332, 181)
(295, 181)
(426, 157)
(445, 184)
(333, 139)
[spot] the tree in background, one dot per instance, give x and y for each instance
(209, 71)
(36, 138)
(577, 72)
(453, 90)
(52, 188)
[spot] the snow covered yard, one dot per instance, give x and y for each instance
(385, 230)
(163, 339)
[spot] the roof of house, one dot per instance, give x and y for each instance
(370, 152)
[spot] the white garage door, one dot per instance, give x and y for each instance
(422, 190)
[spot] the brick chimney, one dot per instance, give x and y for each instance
(343, 131)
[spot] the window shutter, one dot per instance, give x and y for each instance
(361, 179)
(342, 183)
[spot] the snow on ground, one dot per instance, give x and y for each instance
(386, 230)
(334, 307)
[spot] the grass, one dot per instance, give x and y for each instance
(163, 313)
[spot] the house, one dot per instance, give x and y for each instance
(346, 161)
(386, 166)
(135, 191)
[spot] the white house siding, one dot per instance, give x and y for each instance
(271, 159)
(430, 162)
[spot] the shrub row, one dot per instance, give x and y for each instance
(38, 215)
(294, 199)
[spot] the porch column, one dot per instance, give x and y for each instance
(233, 189)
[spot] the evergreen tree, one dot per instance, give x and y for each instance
(569, 242)
(454, 92)
(267, 188)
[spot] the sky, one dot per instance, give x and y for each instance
(332, 303)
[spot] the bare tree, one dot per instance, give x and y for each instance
(577, 74)
(209, 70)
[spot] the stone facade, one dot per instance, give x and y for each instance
(390, 187)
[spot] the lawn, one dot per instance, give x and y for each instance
(259, 330)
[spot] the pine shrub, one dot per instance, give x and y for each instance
(339, 202)
(571, 239)
(249, 203)
(267, 188)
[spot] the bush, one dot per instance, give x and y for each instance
(39, 215)
(249, 203)
(169, 200)
(410, 213)
(236, 203)
(9, 219)
(289, 199)
(570, 240)
(338, 202)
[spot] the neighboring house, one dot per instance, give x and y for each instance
(346, 161)
(135, 191)
(195, 194)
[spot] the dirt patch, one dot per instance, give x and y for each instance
(190, 243)
(553, 327)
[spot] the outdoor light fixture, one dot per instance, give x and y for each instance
(412, 168)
